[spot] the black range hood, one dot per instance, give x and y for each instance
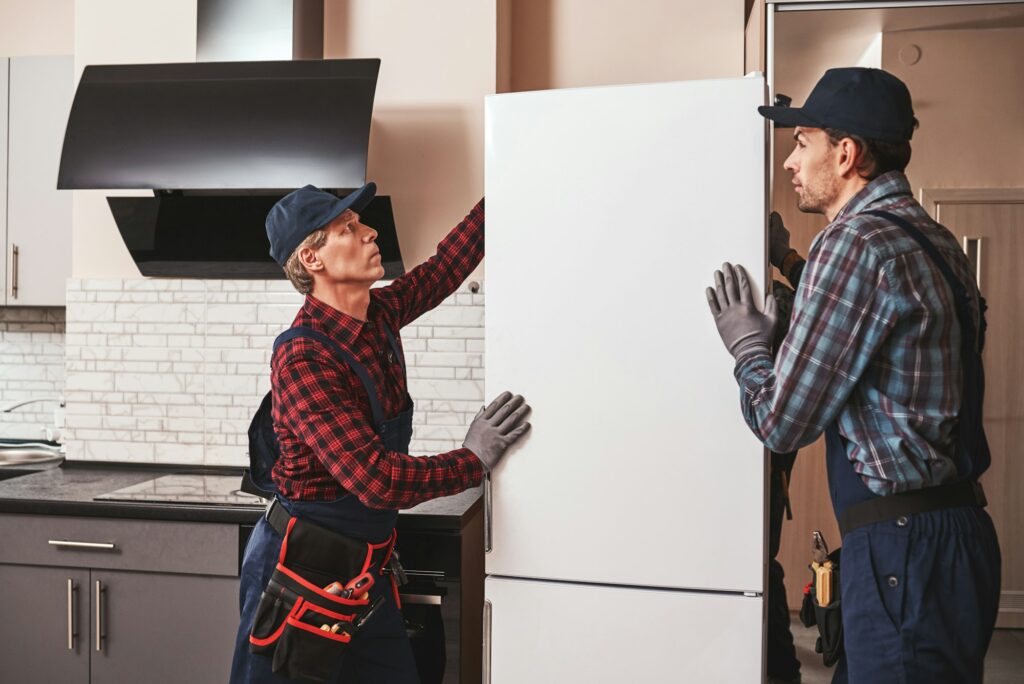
(219, 143)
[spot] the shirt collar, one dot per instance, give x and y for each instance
(888, 185)
(339, 325)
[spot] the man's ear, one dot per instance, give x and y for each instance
(848, 157)
(310, 259)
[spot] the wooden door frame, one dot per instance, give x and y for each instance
(930, 198)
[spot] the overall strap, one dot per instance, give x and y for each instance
(972, 454)
(394, 345)
(357, 368)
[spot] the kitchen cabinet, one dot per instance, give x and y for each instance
(109, 601)
(37, 94)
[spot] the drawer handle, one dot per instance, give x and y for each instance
(421, 599)
(105, 546)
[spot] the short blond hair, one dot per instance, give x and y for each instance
(293, 268)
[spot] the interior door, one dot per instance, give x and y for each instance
(608, 210)
(560, 632)
(990, 226)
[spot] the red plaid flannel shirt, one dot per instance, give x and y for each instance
(322, 415)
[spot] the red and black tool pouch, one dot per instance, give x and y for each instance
(829, 619)
(305, 629)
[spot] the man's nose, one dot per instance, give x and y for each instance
(369, 234)
(790, 164)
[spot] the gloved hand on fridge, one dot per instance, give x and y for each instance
(743, 328)
(496, 427)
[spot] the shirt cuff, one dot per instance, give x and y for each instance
(471, 465)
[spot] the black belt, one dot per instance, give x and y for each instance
(278, 516)
(895, 506)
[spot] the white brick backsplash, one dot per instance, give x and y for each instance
(172, 370)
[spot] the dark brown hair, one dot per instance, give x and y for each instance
(876, 156)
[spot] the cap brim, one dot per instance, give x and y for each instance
(356, 201)
(788, 117)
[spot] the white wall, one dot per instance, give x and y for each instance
(172, 370)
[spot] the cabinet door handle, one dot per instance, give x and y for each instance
(105, 546)
(14, 271)
(72, 632)
(487, 513)
(487, 642)
(99, 615)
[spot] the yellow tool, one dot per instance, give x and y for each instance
(823, 582)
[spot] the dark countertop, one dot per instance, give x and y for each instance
(71, 488)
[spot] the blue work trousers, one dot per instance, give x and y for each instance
(919, 598)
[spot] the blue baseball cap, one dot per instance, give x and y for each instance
(868, 102)
(303, 211)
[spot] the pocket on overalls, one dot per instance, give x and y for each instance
(312, 642)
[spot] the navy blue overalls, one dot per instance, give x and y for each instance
(920, 593)
(380, 653)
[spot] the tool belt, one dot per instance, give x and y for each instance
(892, 507)
(317, 599)
(821, 606)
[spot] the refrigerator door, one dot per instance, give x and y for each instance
(608, 210)
(556, 632)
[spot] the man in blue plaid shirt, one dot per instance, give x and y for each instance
(883, 356)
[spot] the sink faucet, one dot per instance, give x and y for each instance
(52, 433)
(18, 404)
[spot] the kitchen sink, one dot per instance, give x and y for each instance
(31, 455)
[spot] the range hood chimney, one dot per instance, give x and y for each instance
(219, 142)
(246, 30)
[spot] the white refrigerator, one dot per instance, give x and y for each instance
(626, 533)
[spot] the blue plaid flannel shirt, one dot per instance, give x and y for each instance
(873, 344)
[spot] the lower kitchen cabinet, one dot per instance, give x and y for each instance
(100, 626)
(158, 628)
(85, 601)
(44, 630)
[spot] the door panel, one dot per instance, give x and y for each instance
(162, 628)
(5, 66)
(39, 215)
(999, 223)
(559, 632)
(34, 628)
(608, 210)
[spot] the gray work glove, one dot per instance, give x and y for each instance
(496, 427)
(743, 328)
(778, 240)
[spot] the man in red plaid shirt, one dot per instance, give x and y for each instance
(343, 415)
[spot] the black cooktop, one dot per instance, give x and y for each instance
(206, 490)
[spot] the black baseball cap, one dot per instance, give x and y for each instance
(868, 102)
(303, 211)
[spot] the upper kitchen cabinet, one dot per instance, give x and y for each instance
(37, 96)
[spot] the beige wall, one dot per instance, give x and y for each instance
(36, 27)
(570, 43)
(968, 91)
(121, 32)
(438, 61)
